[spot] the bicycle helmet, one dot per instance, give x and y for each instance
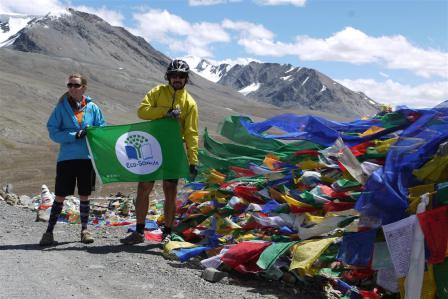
(178, 66)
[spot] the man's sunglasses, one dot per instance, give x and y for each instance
(178, 75)
(75, 85)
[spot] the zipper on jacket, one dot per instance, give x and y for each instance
(172, 102)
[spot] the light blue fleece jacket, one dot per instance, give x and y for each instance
(62, 127)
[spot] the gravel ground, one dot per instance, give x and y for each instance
(106, 269)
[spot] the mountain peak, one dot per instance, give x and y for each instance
(214, 70)
(84, 37)
(208, 69)
(286, 86)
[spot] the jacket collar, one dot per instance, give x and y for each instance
(87, 98)
(179, 91)
(69, 109)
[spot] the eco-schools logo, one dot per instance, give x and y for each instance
(139, 152)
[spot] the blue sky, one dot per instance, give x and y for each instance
(395, 51)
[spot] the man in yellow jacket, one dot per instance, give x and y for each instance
(168, 100)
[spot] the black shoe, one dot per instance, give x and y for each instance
(47, 240)
(134, 238)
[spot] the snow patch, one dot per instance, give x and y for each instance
(240, 61)
(286, 78)
(372, 102)
(58, 13)
(8, 42)
(192, 61)
(290, 70)
(213, 70)
(303, 83)
(323, 88)
(209, 76)
(250, 88)
(205, 68)
(16, 23)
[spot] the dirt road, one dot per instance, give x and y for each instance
(104, 269)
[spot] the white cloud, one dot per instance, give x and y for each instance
(238, 60)
(205, 2)
(354, 46)
(394, 52)
(255, 38)
(55, 6)
(112, 17)
(349, 45)
(281, 2)
(394, 93)
(248, 30)
(179, 35)
(156, 25)
(209, 2)
(25, 7)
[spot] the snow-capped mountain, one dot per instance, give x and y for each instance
(286, 86)
(10, 24)
(120, 68)
(208, 69)
(86, 37)
(213, 70)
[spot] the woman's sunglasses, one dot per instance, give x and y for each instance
(74, 85)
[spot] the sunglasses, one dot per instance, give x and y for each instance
(74, 85)
(178, 75)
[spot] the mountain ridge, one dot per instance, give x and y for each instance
(34, 66)
(287, 86)
(81, 36)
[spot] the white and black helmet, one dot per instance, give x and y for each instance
(177, 66)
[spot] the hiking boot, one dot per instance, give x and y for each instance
(86, 237)
(47, 240)
(134, 238)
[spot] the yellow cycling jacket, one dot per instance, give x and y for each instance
(162, 98)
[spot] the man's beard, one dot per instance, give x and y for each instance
(177, 85)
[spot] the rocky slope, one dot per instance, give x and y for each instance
(286, 86)
(120, 68)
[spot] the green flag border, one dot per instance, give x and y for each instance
(93, 162)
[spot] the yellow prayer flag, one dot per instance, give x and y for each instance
(428, 288)
(306, 253)
(372, 130)
(199, 196)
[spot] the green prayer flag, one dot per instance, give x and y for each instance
(441, 196)
(230, 150)
(139, 152)
(441, 277)
(223, 164)
(272, 253)
(347, 184)
(232, 129)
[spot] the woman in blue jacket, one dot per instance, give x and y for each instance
(67, 126)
